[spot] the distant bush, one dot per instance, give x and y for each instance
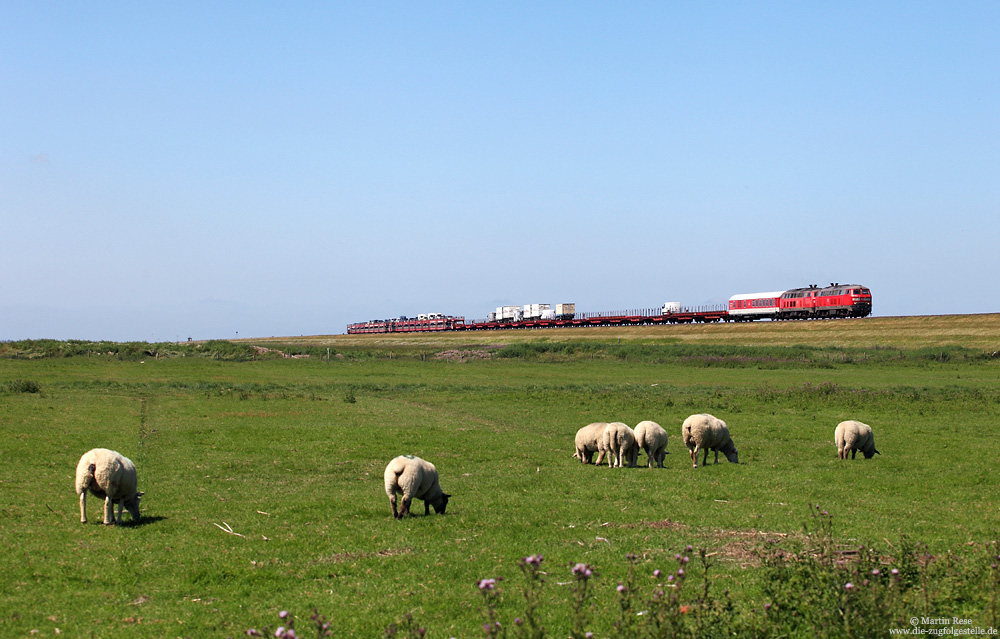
(22, 386)
(223, 349)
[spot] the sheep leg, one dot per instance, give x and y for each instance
(427, 507)
(694, 456)
(704, 459)
(83, 507)
(109, 511)
(716, 456)
(120, 507)
(406, 506)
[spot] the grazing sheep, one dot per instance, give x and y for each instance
(415, 479)
(618, 442)
(852, 436)
(588, 442)
(651, 437)
(706, 432)
(111, 477)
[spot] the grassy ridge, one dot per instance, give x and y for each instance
(275, 450)
(977, 332)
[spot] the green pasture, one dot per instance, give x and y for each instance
(264, 490)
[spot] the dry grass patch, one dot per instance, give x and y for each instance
(464, 355)
(345, 557)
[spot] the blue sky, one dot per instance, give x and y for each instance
(251, 169)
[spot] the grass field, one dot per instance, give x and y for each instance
(288, 454)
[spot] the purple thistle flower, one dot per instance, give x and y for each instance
(533, 560)
(486, 584)
(670, 577)
(690, 548)
(280, 631)
(767, 607)
(589, 635)
(894, 572)
(848, 586)
(656, 573)
(680, 572)
(621, 588)
(685, 560)
(283, 614)
(876, 572)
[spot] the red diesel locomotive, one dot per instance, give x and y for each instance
(835, 300)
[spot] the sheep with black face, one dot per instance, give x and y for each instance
(707, 432)
(852, 436)
(414, 478)
(110, 476)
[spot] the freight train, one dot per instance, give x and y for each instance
(811, 302)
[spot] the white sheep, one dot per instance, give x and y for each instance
(618, 443)
(706, 432)
(852, 436)
(415, 479)
(109, 476)
(651, 437)
(588, 442)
